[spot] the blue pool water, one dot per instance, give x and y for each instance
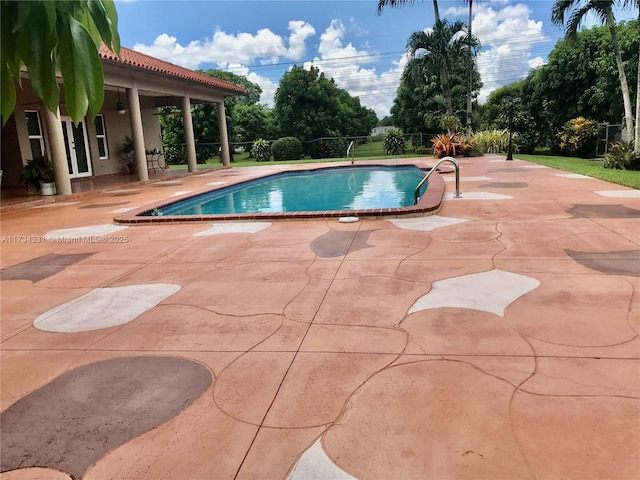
(350, 188)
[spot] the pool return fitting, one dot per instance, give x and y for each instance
(416, 192)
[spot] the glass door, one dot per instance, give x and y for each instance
(77, 148)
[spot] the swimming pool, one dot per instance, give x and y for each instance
(363, 190)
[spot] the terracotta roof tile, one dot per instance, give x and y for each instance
(147, 62)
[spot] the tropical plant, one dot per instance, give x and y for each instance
(38, 170)
(449, 145)
(261, 150)
(621, 156)
(286, 148)
(393, 142)
(492, 141)
(438, 48)
(603, 9)
(400, 3)
(57, 36)
(578, 136)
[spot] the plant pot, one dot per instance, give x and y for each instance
(132, 168)
(47, 188)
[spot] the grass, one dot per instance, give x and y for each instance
(368, 151)
(591, 168)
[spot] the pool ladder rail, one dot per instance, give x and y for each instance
(416, 192)
(353, 155)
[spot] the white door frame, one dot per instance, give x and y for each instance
(67, 125)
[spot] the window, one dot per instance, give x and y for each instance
(35, 133)
(101, 135)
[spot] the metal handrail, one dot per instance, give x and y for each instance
(354, 152)
(416, 192)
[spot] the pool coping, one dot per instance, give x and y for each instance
(430, 202)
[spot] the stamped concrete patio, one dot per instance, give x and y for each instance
(496, 339)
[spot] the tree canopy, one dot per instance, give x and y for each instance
(308, 105)
(420, 99)
(47, 36)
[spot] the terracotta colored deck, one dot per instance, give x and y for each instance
(496, 339)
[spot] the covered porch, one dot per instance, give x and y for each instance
(89, 155)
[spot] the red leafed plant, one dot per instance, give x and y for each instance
(449, 145)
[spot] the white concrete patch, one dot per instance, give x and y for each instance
(619, 193)
(491, 292)
(213, 184)
(56, 204)
(83, 232)
(466, 179)
(477, 196)
(184, 192)
(571, 175)
(534, 166)
(122, 210)
(426, 223)
(104, 308)
(234, 227)
(314, 464)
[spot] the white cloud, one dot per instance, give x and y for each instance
(508, 36)
(235, 51)
(344, 64)
(225, 48)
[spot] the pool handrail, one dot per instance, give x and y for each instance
(353, 157)
(416, 192)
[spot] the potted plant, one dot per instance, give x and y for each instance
(38, 176)
(126, 149)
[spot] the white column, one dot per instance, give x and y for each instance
(137, 133)
(57, 152)
(189, 139)
(224, 140)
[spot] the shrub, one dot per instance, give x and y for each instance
(261, 150)
(621, 156)
(473, 150)
(492, 141)
(287, 148)
(578, 137)
(420, 150)
(393, 142)
(449, 145)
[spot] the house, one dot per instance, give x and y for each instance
(135, 86)
(377, 131)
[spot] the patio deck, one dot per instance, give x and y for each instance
(498, 338)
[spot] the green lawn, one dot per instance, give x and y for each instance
(590, 168)
(373, 151)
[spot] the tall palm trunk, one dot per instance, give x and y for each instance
(436, 11)
(626, 97)
(446, 89)
(470, 67)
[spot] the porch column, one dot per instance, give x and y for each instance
(224, 140)
(137, 133)
(189, 139)
(58, 152)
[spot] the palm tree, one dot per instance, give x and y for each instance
(438, 48)
(470, 69)
(603, 9)
(400, 3)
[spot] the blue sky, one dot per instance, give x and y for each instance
(364, 52)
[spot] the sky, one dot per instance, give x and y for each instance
(364, 52)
